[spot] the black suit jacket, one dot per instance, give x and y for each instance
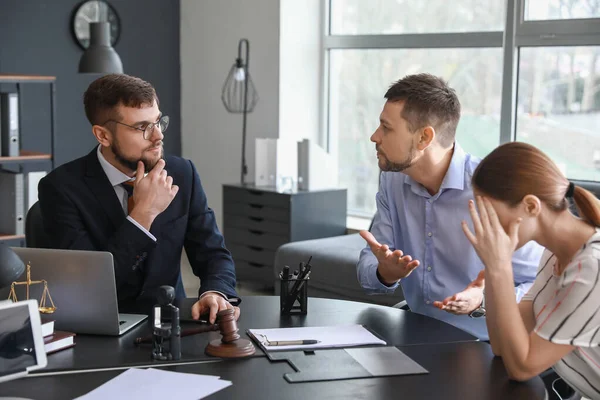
(81, 211)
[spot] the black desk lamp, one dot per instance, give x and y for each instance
(11, 266)
(239, 94)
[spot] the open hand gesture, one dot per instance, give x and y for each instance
(393, 265)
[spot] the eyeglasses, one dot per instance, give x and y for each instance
(147, 130)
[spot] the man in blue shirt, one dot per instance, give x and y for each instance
(416, 239)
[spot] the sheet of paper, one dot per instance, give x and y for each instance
(328, 336)
(385, 361)
(157, 384)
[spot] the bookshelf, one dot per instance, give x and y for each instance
(28, 160)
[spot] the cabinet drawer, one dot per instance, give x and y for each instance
(253, 238)
(257, 224)
(251, 271)
(252, 253)
(256, 211)
(256, 197)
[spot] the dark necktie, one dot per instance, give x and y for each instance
(128, 186)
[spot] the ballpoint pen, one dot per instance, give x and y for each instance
(291, 342)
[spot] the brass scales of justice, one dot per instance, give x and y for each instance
(43, 308)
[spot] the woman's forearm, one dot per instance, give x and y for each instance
(504, 319)
(491, 324)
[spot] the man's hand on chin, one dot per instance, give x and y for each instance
(466, 301)
(212, 303)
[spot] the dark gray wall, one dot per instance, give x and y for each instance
(36, 38)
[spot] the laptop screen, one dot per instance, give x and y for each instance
(17, 346)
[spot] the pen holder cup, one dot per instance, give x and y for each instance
(293, 296)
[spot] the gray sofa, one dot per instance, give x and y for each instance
(333, 268)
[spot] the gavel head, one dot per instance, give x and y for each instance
(166, 295)
(227, 325)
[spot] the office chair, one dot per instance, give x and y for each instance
(35, 235)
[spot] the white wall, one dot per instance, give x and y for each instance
(300, 95)
(211, 137)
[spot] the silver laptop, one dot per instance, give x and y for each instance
(82, 287)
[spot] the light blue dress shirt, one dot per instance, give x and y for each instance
(428, 228)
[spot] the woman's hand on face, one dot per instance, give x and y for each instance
(493, 245)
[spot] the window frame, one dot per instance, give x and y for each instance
(517, 33)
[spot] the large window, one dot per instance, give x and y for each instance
(525, 70)
(559, 106)
(361, 17)
(561, 9)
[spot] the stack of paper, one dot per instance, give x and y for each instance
(327, 337)
(157, 384)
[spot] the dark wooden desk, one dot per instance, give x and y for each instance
(397, 327)
(460, 370)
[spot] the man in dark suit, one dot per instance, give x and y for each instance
(125, 198)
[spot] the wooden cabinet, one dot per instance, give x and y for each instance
(36, 149)
(257, 220)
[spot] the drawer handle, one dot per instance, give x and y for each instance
(255, 232)
(255, 265)
(254, 248)
(256, 206)
(255, 192)
(257, 219)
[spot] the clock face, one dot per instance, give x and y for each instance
(94, 11)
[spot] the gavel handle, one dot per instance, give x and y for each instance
(187, 332)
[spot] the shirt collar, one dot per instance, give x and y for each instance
(455, 176)
(115, 176)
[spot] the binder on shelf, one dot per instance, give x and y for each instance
(12, 218)
(31, 188)
(9, 124)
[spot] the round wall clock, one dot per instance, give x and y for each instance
(94, 11)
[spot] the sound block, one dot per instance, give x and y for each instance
(236, 349)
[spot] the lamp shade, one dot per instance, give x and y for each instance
(11, 266)
(233, 93)
(100, 57)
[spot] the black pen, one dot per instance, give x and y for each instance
(292, 342)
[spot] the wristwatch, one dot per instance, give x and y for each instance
(479, 311)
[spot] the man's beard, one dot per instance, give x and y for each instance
(386, 165)
(133, 163)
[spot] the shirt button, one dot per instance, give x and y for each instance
(430, 234)
(429, 268)
(427, 302)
